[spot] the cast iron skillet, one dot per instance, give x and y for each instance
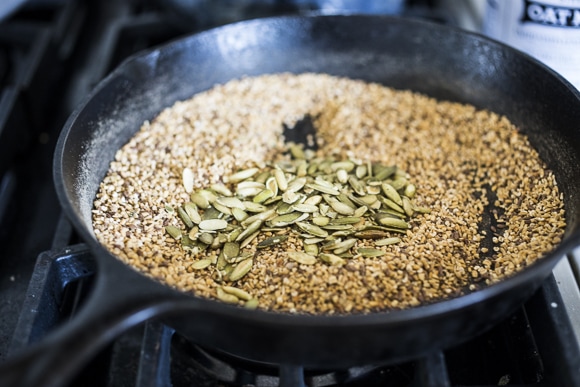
(432, 59)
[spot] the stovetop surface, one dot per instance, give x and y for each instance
(52, 53)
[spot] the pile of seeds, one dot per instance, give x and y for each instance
(331, 205)
(485, 207)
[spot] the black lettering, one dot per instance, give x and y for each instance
(549, 15)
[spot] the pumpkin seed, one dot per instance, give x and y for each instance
(387, 241)
(175, 232)
(296, 151)
(184, 217)
(331, 259)
(240, 270)
(241, 175)
(392, 222)
(311, 249)
(341, 208)
(226, 297)
(272, 185)
(252, 228)
(200, 200)
(206, 238)
(320, 220)
(312, 229)
(302, 207)
(281, 179)
(213, 224)
(221, 208)
(264, 195)
(254, 207)
(272, 241)
(370, 252)
(410, 191)
(201, 264)
(252, 303)
(323, 188)
(285, 220)
(187, 179)
(230, 250)
(191, 210)
(239, 214)
(346, 220)
(221, 189)
(300, 257)
(361, 171)
(392, 193)
(231, 202)
(239, 293)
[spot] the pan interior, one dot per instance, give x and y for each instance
(403, 54)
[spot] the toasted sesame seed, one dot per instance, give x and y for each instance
(465, 164)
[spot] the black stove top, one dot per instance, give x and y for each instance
(51, 54)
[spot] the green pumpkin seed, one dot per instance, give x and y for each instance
(361, 171)
(369, 252)
(285, 220)
(221, 189)
(408, 206)
(251, 304)
(226, 297)
(300, 257)
(175, 232)
(206, 238)
(200, 200)
(371, 234)
(187, 180)
(201, 264)
(410, 191)
(323, 188)
(184, 217)
(392, 193)
(252, 228)
(221, 208)
(264, 195)
(240, 270)
(213, 224)
(331, 259)
(346, 220)
(281, 179)
(389, 221)
(387, 241)
(320, 220)
(191, 210)
(241, 175)
(312, 229)
(254, 207)
(296, 151)
(231, 250)
(239, 293)
(272, 185)
(230, 202)
(311, 249)
(341, 208)
(239, 214)
(272, 241)
(301, 207)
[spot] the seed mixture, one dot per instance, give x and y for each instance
(482, 204)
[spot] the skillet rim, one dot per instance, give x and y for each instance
(437, 309)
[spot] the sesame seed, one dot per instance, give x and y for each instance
(467, 165)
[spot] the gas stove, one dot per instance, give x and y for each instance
(52, 53)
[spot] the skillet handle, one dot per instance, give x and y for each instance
(120, 300)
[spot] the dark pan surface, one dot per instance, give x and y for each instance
(419, 56)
